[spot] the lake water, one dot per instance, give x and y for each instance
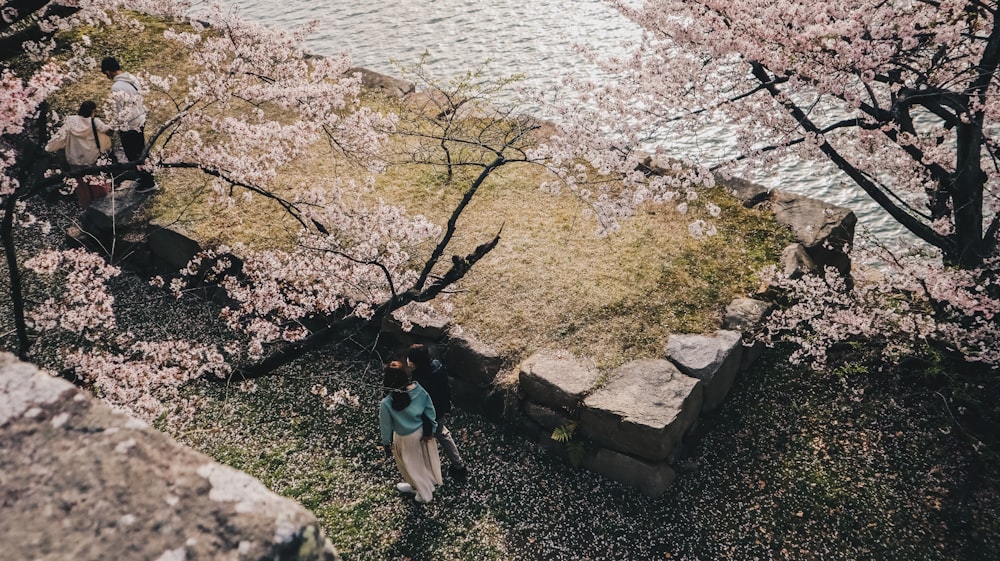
(533, 37)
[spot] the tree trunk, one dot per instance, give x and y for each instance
(14, 274)
(299, 349)
(967, 199)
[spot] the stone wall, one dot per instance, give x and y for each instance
(79, 481)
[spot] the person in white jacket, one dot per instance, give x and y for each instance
(129, 116)
(83, 136)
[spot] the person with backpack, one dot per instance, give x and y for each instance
(84, 137)
(130, 113)
(433, 376)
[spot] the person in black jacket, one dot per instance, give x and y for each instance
(433, 376)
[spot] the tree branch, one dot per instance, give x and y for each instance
(918, 228)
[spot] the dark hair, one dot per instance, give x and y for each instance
(110, 64)
(394, 381)
(87, 109)
(419, 356)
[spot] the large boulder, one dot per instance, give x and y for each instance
(715, 360)
(83, 482)
(556, 379)
(644, 409)
(824, 230)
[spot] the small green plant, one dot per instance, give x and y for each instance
(564, 433)
(574, 448)
(849, 369)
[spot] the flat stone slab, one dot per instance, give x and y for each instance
(556, 379)
(713, 359)
(644, 409)
(80, 481)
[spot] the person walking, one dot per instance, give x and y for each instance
(401, 415)
(130, 112)
(84, 137)
(433, 376)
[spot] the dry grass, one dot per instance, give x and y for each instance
(552, 282)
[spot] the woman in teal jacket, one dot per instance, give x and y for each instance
(401, 415)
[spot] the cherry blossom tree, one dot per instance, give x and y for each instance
(900, 96)
(301, 300)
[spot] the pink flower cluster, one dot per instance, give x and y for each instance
(82, 305)
(364, 260)
(912, 303)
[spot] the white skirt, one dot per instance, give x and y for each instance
(418, 462)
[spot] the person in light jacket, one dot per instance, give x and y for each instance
(83, 136)
(402, 414)
(130, 116)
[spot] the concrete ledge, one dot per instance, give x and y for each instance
(81, 481)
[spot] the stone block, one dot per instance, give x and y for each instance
(644, 409)
(556, 379)
(472, 360)
(652, 479)
(745, 314)
(545, 417)
(81, 481)
(115, 211)
(715, 360)
(747, 192)
(822, 228)
(494, 402)
(171, 245)
(796, 261)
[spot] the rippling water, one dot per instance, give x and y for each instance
(533, 37)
